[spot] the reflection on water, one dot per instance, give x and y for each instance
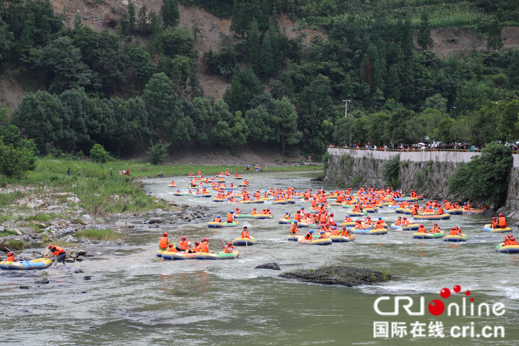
(139, 299)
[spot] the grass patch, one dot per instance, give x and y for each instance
(59, 243)
(16, 244)
(7, 232)
(98, 234)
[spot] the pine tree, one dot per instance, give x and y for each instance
(494, 40)
(274, 33)
(142, 22)
(407, 37)
(77, 22)
(254, 47)
(169, 13)
(513, 71)
(131, 16)
(267, 59)
(424, 36)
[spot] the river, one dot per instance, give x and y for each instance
(135, 298)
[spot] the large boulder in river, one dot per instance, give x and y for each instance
(273, 266)
(339, 275)
(155, 220)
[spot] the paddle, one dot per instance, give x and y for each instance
(22, 257)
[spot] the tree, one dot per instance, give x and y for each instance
(158, 152)
(15, 161)
(240, 130)
(444, 130)
(131, 17)
(254, 47)
(285, 120)
(142, 22)
(169, 13)
(424, 33)
(436, 102)
(99, 154)
(142, 66)
(221, 134)
(513, 71)
(494, 40)
(178, 41)
(6, 41)
(63, 60)
(267, 58)
(39, 117)
(485, 178)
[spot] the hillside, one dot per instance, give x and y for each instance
(447, 41)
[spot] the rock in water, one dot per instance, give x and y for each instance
(161, 175)
(339, 275)
(156, 220)
(273, 266)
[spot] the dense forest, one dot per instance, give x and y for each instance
(140, 85)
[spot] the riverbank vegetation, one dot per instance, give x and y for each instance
(98, 234)
(140, 86)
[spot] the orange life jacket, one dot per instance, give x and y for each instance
(10, 259)
(293, 228)
(398, 222)
(58, 250)
(502, 222)
(229, 249)
(513, 242)
(297, 217)
(245, 234)
(196, 249)
(422, 230)
(183, 245)
(218, 219)
(309, 236)
(163, 244)
(204, 247)
(229, 218)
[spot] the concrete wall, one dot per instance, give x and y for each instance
(416, 156)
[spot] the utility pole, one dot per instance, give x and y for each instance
(346, 109)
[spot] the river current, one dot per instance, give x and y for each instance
(134, 298)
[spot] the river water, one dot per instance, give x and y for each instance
(135, 298)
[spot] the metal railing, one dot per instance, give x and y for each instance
(415, 150)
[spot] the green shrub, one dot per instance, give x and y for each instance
(158, 152)
(391, 171)
(485, 178)
(16, 244)
(99, 154)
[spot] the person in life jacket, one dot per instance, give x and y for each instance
(60, 253)
(229, 248)
(440, 210)
(494, 222)
(454, 231)
(11, 258)
(335, 231)
(204, 246)
(422, 229)
(513, 241)
(322, 235)
(446, 204)
(398, 221)
(245, 233)
(297, 217)
(309, 235)
(184, 243)
(379, 225)
(230, 217)
(358, 224)
(331, 221)
(436, 228)
(218, 219)
(171, 248)
(196, 248)
(164, 241)
(413, 194)
(254, 211)
(345, 232)
(347, 219)
(406, 222)
(286, 216)
(293, 228)
(501, 221)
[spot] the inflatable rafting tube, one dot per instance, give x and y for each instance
(419, 235)
(40, 263)
(244, 216)
(243, 185)
(244, 242)
(324, 241)
(347, 205)
(219, 200)
(456, 238)
(279, 202)
(172, 185)
(489, 228)
(403, 211)
(238, 178)
(180, 255)
(159, 253)
(207, 195)
(507, 249)
(356, 214)
(336, 204)
(213, 224)
(291, 201)
(293, 237)
(455, 211)
(371, 210)
(347, 224)
(217, 255)
(473, 211)
(370, 231)
(341, 238)
(410, 227)
(432, 217)
(263, 216)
